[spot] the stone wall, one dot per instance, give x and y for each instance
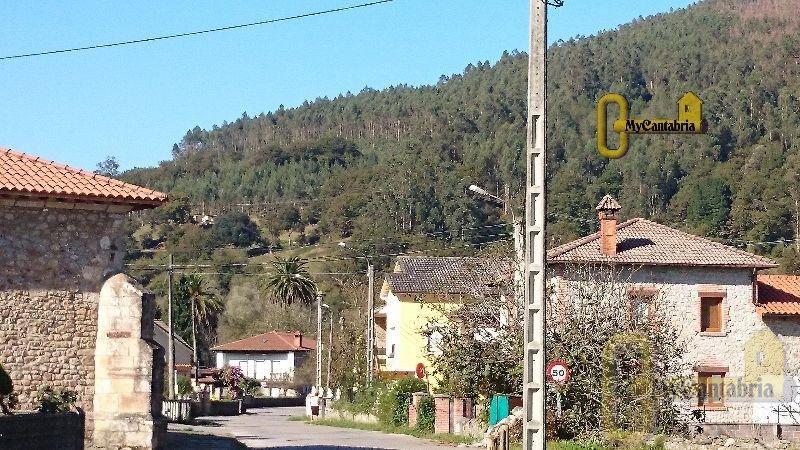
(34, 431)
(128, 364)
(52, 264)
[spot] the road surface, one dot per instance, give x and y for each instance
(270, 428)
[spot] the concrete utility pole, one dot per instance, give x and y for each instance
(370, 320)
(533, 432)
(171, 337)
(370, 355)
(330, 349)
(319, 341)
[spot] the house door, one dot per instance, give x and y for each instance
(262, 369)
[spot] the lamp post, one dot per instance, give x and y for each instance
(519, 239)
(319, 341)
(370, 312)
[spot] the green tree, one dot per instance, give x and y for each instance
(290, 282)
(108, 167)
(235, 228)
(203, 306)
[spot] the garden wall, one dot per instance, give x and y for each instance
(34, 431)
(762, 432)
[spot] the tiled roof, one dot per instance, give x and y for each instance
(449, 275)
(23, 175)
(640, 241)
(160, 324)
(710, 364)
(274, 341)
(778, 294)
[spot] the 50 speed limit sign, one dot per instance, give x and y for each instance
(558, 371)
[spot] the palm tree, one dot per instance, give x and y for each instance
(203, 305)
(291, 281)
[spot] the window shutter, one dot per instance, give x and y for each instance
(711, 314)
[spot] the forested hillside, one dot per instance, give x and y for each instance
(396, 162)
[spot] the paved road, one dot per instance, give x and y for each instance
(263, 428)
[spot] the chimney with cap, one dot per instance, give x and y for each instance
(298, 339)
(607, 212)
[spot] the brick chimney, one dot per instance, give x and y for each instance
(298, 339)
(607, 212)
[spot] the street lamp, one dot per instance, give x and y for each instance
(519, 241)
(319, 341)
(370, 310)
(320, 306)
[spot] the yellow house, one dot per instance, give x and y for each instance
(417, 294)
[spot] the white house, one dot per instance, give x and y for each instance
(741, 327)
(268, 356)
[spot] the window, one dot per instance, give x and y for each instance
(711, 389)
(641, 303)
(710, 314)
(434, 343)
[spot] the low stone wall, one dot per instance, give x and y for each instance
(761, 432)
(273, 402)
(35, 431)
(225, 408)
(331, 413)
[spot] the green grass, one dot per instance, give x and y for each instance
(438, 437)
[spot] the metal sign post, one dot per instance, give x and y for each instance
(533, 435)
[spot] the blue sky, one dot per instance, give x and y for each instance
(134, 102)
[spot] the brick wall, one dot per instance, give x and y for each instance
(52, 263)
(442, 423)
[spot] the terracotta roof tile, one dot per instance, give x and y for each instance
(29, 176)
(778, 294)
(274, 341)
(640, 241)
(449, 275)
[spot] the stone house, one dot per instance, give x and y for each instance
(742, 328)
(417, 294)
(267, 356)
(68, 317)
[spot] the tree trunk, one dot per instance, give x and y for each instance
(194, 342)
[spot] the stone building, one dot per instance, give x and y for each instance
(740, 330)
(61, 244)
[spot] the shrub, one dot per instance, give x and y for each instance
(8, 399)
(232, 378)
(393, 402)
(184, 385)
(53, 400)
(426, 414)
(250, 386)
(365, 399)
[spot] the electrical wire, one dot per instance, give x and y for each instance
(194, 33)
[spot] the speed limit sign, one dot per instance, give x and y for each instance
(558, 371)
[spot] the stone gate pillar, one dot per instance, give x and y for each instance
(128, 369)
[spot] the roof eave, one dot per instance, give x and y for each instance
(635, 263)
(13, 198)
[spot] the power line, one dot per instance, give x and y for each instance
(194, 33)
